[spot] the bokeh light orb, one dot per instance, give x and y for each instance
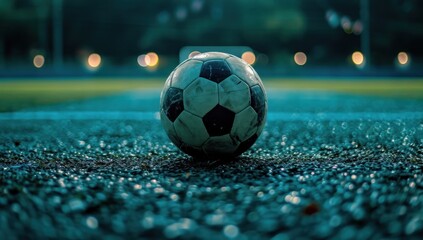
(249, 57)
(402, 58)
(141, 60)
(38, 61)
(300, 58)
(152, 59)
(94, 60)
(358, 58)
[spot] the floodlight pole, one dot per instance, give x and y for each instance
(365, 35)
(57, 18)
(1, 52)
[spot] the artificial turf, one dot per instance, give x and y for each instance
(348, 175)
(16, 94)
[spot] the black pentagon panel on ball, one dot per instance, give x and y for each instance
(173, 103)
(258, 102)
(215, 70)
(219, 121)
(244, 146)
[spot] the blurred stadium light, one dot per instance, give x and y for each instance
(141, 60)
(38, 61)
(150, 60)
(402, 61)
(93, 61)
(402, 58)
(249, 57)
(300, 58)
(358, 59)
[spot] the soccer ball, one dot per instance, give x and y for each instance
(213, 105)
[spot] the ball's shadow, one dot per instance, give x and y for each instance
(212, 163)
(188, 163)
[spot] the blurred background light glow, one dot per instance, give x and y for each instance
(141, 60)
(249, 57)
(346, 24)
(402, 58)
(152, 59)
(358, 58)
(94, 60)
(38, 61)
(300, 58)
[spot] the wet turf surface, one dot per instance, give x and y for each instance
(306, 177)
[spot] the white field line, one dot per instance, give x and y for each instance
(272, 116)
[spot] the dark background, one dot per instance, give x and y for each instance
(121, 30)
